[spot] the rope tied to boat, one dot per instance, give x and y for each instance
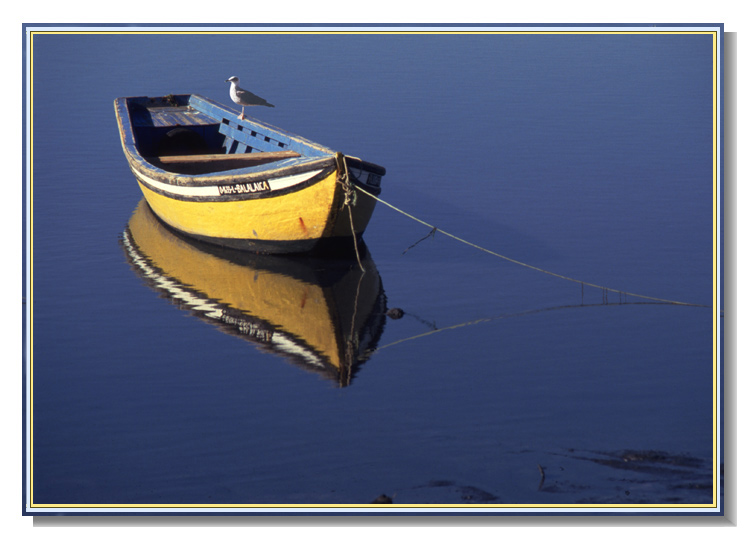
(349, 199)
(605, 290)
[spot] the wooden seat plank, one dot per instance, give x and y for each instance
(244, 158)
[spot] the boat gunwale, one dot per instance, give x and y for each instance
(258, 173)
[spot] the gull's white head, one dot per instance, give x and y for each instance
(233, 79)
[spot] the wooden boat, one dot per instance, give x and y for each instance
(242, 183)
(323, 314)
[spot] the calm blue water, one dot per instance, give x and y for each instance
(589, 156)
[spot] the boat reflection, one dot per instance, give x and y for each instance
(325, 315)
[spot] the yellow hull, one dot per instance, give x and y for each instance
(294, 221)
(298, 216)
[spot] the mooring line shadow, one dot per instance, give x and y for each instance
(436, 330)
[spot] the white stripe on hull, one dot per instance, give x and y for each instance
(213, 191)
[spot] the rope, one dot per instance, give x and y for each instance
(349, 199)
(526, 265)
(506, 316)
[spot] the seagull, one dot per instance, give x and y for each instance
(245, 98)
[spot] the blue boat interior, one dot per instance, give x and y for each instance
(189, 134)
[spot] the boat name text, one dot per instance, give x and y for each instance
(248, 187)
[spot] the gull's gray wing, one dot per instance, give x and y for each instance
(248, 98)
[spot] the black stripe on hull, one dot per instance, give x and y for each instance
(338, 246)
